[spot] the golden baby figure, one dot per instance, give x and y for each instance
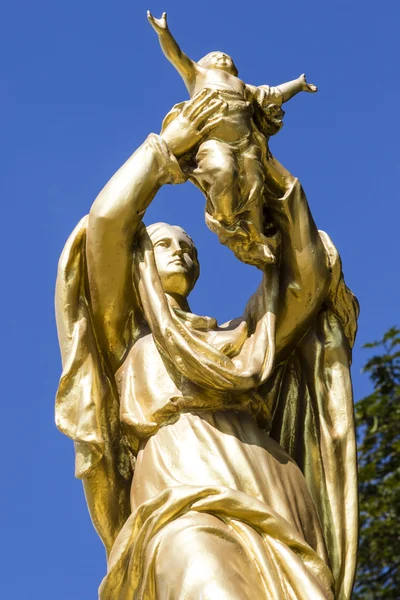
(229, 167)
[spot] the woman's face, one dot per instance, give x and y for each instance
(175, 257)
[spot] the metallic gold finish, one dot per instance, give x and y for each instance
(228, 165)
(218, 461)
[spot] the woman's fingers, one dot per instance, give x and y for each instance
(215, 107)
(200, 101)
(193, 106)
(211, 124)
(199, 115)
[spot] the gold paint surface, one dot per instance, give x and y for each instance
(218, 461)
(229, 161)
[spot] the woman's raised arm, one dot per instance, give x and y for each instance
(119, 209)
(304, 271)
(113, 221)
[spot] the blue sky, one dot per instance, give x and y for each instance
(83, 85)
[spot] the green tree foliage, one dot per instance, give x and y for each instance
(378, 432)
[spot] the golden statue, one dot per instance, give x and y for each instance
(229, 160)
(218, 461)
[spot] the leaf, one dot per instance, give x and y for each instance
(371, 345)
(378, 438)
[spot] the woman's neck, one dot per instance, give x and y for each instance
(177, 301)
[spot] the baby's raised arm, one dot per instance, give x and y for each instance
(186, 67)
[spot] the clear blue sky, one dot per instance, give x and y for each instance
(84, 83)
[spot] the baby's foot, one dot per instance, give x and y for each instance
(260, 255)
(255, 254)
(269, 256)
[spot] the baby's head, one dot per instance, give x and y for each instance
(219, 60)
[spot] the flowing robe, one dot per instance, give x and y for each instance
(242, 436)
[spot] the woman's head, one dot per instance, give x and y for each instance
(176, 258)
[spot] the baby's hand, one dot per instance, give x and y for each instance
(307, 87)
(159, 25)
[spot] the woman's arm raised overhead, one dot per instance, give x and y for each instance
(118, 210)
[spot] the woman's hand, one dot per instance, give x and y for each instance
(199, 116)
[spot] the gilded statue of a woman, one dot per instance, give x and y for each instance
(218, 462)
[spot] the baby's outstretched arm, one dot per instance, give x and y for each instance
(291, 88)
(186, 67)
(265, 94)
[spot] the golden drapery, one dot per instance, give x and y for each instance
(305, 402)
